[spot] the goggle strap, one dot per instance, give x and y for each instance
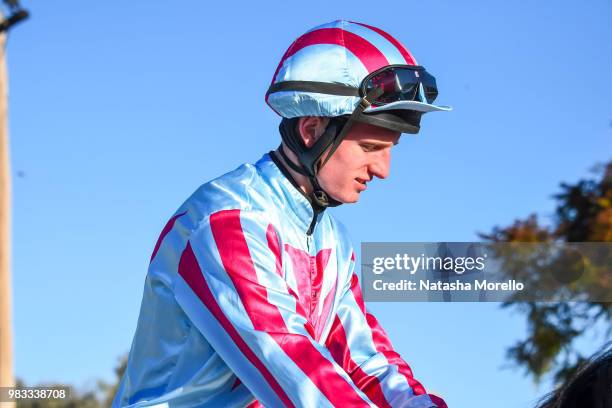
(312, 86)
(341, 89)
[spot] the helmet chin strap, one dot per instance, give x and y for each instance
(319, 197)
(311, 158)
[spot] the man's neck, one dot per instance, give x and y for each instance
(300, 179)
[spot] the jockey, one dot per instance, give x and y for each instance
(251, 297)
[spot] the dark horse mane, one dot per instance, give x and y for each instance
(589, 387)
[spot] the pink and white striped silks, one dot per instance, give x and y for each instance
(242, 307)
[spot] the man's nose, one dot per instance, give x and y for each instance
(381, 164)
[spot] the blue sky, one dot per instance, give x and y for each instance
(119, 110)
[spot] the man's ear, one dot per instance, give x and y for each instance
(311, 128)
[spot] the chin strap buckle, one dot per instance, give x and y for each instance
(321, 198)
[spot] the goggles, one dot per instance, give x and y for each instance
(400, 83)
(389, 84)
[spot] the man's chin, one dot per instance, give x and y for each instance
(354, 200)
(349, 199)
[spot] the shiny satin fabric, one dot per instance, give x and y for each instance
(338, 53)
(241, 307)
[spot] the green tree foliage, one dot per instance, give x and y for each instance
(583, 214)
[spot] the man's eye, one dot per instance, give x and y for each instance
(368, 147)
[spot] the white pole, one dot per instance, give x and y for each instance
(6, 333)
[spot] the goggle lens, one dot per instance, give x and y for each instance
(429, 85)
(401, 84)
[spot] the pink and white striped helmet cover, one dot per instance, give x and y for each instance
(340, 52)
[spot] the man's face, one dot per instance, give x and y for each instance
(365, 153)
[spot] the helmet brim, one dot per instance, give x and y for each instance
(408, 105)
(404, 121)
